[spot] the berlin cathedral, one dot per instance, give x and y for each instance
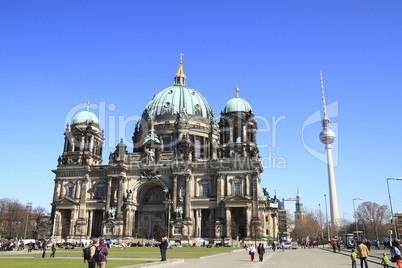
(188, 175)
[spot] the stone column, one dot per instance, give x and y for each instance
(197, 188)
(219, 190)
(243, 134)
(90, 220)
(228, 216)
(65, 143)
(120, 198)
(225, 185)
(91, 143)
(56, 193)
(73, 222)
(78, 189)
(188, 195)
(129, 226)
(63, 190)
(82, 198)
(247, 184)
(248, 220)
(109, 193)
(82, 143)
(175, 191)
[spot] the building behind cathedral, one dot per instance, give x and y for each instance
(188, 175)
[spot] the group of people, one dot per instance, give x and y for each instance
(363, 253)
(94, 246)
(260, 250)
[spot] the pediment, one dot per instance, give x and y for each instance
(236, 198)
(66, 201)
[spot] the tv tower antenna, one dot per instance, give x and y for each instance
(324, 105)
(327, 136)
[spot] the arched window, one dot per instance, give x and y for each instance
(154, 196)
(100, 190)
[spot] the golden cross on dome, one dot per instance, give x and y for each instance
(181, 57)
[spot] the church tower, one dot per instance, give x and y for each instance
(83, 142)
(299, 213)
(238, 129)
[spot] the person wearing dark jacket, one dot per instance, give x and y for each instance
(261, 251)
(103, 249)
(163, 247)
(53, 250)
(44, 248)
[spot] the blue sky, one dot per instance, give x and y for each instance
(56, 55)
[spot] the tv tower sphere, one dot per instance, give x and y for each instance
(327, 136)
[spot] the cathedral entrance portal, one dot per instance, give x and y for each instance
(97, 223)
(239, 223)
(151, 219)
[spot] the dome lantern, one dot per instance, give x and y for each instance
(180, 77)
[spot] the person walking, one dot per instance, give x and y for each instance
(163, 247)
(44, 248)
(103, 249)
(363, 252)
(396, 253)
(92, 248)
(385, 260)
(251, 252)
(353, 256)
(53, 250)
(261, 251)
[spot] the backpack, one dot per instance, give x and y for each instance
(98, 256)
(87, 253)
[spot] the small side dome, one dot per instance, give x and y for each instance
(237, 104)
(85, 117)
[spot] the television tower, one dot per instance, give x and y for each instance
(327, 136)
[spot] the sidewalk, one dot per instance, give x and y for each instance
(311, 258)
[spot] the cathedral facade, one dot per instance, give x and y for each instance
(187, 177)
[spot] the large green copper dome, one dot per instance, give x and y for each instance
(237, 104)
(178, 100)
(85, 117)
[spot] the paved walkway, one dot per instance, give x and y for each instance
(311, 258)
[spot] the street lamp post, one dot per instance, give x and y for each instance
(390, 204)
(29, 207)
(326, 217)
(354, 213)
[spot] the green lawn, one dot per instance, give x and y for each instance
(63, 256)
(51, 263)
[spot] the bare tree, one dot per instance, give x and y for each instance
(255, 229)
(308, 227)
(160, 229)
(372, 216)
(65, 228)
(12, 218)
(143, 228)
(209, 228)
(38, 227)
